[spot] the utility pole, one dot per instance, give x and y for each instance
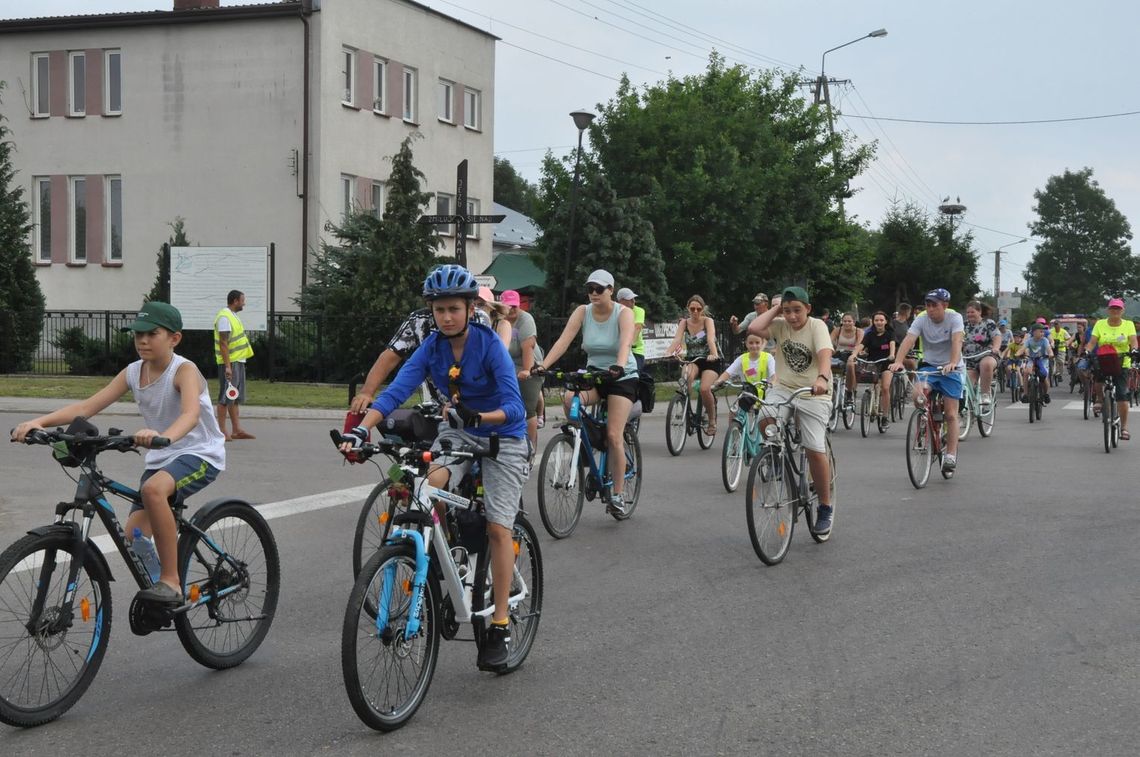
(823, 94)
(997, 270)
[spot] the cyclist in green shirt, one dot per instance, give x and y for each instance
(627, 297)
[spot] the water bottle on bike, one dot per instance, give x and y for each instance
(143, 546)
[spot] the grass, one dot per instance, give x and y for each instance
(275, 394)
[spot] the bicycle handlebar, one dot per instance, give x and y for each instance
(115, 440)
(417, 452)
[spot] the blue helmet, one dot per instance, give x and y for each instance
(450, 280)
(938, 295)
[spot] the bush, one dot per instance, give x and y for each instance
(88, 356)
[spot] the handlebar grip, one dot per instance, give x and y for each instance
(159, 442)
(494, 452)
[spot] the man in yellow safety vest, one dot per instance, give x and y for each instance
(231, 350)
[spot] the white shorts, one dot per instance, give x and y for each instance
(812, 415)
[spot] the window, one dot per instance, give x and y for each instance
(41, 85)
(114, 223)
(380, 86)
(445, 91)
(41, 210)
(444, 206)
(78, 220)
(77, 70)
(347, 74)
(471, 101)
(410, 94)
(377, 199)
(472, 228)
(113, 83)
(346, 195)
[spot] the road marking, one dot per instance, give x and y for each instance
(269, 511)
(1074, 405)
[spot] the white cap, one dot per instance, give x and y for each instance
(625, 293)
(605, 278)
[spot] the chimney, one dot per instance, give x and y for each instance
(189, 5)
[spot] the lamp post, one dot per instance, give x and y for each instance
(582, 120)
(822, 89)
(997, 267)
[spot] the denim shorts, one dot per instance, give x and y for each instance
(190, 473)
(948, 386)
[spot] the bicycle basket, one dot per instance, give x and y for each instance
(66, 453)
(1108, 360)
(747, 399)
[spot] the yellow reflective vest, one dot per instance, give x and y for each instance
(755, 376)
(240, 348)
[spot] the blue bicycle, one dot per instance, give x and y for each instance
(743, 439)
(574, 463)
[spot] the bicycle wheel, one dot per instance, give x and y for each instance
(813, 497)
(965, 416)
(848, 414)
(373, 524)
(559, 505)
(225, 630)
(45, 668)
(833, 419)
(525, 615)
(1039, 405)
(631, 489)
(385, 674)
(770, 506)
(865, 419)
(1086, 400)
(1031, 394)
(986, 420)
(732, 456)
(677, 424)
(703, 439)
(919, 448)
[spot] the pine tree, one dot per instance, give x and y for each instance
(21, 300)
(161, 289)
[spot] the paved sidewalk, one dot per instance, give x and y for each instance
(39, 406)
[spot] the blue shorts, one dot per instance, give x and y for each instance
(190, 473)
(1042, 364)
(948, 386)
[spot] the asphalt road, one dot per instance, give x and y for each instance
(995, 613)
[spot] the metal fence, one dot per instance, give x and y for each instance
(296, 347)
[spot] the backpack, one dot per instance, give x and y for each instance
(646, 391)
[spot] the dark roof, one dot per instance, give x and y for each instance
(515, 271)
(288, 8)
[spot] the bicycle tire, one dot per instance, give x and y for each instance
(965, 414)
(1086, 400)
(770, 506)
(732, 456)
(373, 524)
(1039, 405)
(833, 419)
(677, 424)
(56, 651)
(1106, 408)
(525, 616)
(386, 652)
(633, 475)
(865, 413)
(244, 616)
(1031, 393)
(986, 420)
(704, 441)
(848, 414)
(813, 498)
(919, 449)
(560, 507)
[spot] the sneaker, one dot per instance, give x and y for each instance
(949, 462)
(1046, 399)
(493, 656)
(617, 504)
(1025, 399)
(822, 525)
(161, 594)
(985, 403)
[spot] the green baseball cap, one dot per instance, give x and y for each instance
(795, 294)
(155, 314)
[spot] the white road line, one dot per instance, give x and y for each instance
(269, 511)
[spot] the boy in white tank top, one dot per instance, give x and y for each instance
(174, 402)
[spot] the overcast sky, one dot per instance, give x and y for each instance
(973, 60)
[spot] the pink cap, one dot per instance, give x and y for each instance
(486, 295)
(510, 298)
(1116, 302)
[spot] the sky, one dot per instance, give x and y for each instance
(974, 60)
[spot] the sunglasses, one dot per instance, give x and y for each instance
(696, 309)
(595, 288)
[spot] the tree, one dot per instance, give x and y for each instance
(178, 238)
(21, 300)
(513, 190)
(609, 233)
(913, 254)
(375, 268)
(1084, 256)
(738, 176)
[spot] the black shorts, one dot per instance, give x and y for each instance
(627, 387)
(709, 364)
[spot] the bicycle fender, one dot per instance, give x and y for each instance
(71, 529)
(205, 510)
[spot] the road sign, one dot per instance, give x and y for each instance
(486, 280)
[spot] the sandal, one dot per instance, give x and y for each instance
(1124, 435)
(710, 429)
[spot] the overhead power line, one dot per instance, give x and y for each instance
(1000, 123)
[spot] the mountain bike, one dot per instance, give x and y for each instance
(418, 588)
(926, 437)
(742, 440)
(871, 415)
(682, 419)
(574, 464)
(971, 407)
(780, 490)
(1034, 394)
(55, 592)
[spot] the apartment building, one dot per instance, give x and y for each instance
(254, 123)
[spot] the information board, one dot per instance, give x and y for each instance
(201, 277)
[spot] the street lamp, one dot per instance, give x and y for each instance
(582, 120)
(997, 266)
(821, 89)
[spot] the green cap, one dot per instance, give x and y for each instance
(795, 294)
(155, 314)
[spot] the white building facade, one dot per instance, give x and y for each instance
(124, 122)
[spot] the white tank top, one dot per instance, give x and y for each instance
(160, 405)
